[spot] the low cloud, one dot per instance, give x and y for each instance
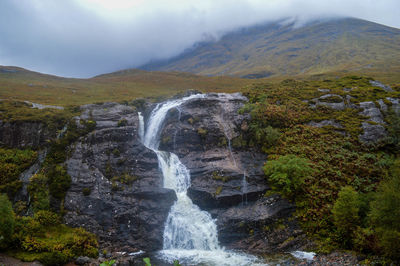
(89, 37)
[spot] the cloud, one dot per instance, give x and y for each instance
(89, 37)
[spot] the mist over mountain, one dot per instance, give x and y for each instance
(346, 44)
(84, 38)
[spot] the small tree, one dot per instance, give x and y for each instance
(7, 220)
(346, 215)
(287, 174)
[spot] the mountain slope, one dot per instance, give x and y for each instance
(21, 84)
(320, 47)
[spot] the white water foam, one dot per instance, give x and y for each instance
(303, 255)
(190, 234)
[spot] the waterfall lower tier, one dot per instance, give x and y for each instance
(190, 234)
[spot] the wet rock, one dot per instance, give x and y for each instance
(335, 258)
(116, 190)
(202, 132)
(25, 134)
(226, 176)
(263, 223)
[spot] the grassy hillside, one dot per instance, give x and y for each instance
(21, 84)
(343, 45)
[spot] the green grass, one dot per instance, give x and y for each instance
(119, 86)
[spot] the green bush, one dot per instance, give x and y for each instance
(287, 174)
(47, 218)
(393, 126)
(346, 215)
(39, 193)
(43, 238)
(59, 181)
(7, 221)
(385, 214)
(12, 163)
(54, 258)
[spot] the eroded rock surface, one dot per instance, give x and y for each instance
(22, 134)
(116, 189)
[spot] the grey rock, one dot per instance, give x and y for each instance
(324, 90)
(372, 133)
(25, 134)
(380, 85)
(371, 112)
(395, 104)
(373, 129)
(382, 105)
(333, 105)
(235, 223)
(82, 260)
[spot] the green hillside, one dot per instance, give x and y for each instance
(343, 45)
(21, 84)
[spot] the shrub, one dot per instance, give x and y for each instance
(7, 221)
(346, 215)
(59, 181)
(265, 137)
(54, 258)
(287, 174)
(43, 238)
(393, 127)
(385, 214)
(12, 163)
(39, 193)
(47, 218)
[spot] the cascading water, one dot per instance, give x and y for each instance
(190, 234)
(244, 189)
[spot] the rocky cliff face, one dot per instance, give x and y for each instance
(116, 186)
(25, 134)
(117, 193)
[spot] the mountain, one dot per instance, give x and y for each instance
(21, 84)
(340, 45)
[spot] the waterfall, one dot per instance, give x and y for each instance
(141, 126)
(190, 234)
(244, 189)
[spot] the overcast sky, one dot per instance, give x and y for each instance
(83, 38)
